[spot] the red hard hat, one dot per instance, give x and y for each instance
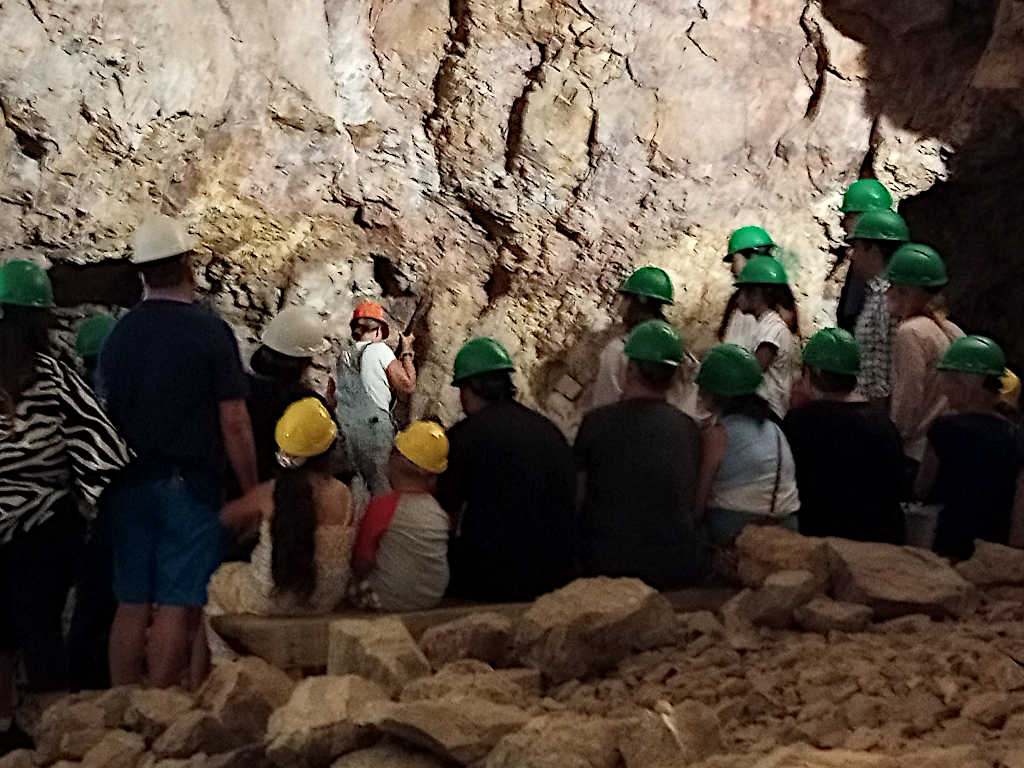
(371, 310)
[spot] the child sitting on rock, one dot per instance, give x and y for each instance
(401, 552)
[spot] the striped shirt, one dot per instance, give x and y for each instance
(874, 330)
(57, 441)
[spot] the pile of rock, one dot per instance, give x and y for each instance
(602, 673)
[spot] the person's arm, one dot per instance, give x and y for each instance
(713, 441)
(927, 474)
(401, 371)
(906, 391)
(236, 429)
(376, 521)
(242, 515)
(766, 354)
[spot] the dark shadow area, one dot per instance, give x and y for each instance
(115, 283)
(922, 56)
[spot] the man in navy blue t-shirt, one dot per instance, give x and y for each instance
(175, 388)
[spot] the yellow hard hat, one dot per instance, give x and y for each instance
(425, 444)
(306, 429)
(1009, 392)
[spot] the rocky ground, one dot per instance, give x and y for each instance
(916, 670)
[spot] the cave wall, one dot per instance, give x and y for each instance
(509, 160)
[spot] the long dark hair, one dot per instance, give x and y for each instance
(293, 530)
(23, 335)
(775, 296)
(751, 406)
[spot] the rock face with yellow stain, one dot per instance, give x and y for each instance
(510, 159)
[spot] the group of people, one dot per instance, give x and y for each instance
(326, 503)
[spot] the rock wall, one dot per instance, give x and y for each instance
(510, 160)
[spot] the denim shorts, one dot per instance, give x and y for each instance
(724, 525)
(166, 541)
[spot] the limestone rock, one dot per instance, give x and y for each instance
(199, 731)
(896, 580)
(483, 636)
(118, 749)
(242, 694)
(806, 756)
(381, 650)
(671, 736)
(762, 550)
(19, 758)
(780, 595)
(459, 728)
(150, 710)
(591, 624)
(824, 615)
(250, 756)
(388, 755)
(993, 564)
(738, 621)
(474, 678)
(991, 709)
(317, 724)
(67, 725)
(560, 740)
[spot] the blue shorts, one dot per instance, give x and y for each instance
(724, 525)
(167, 542)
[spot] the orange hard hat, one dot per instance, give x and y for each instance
(371, 310)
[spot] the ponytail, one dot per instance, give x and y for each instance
(293, 533)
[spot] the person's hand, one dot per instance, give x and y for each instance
(405, 342)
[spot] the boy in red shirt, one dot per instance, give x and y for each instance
(400, 558)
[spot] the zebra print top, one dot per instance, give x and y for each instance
(58, 440)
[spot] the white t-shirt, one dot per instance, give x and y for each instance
(373, 369)
(778, 379)
(739, 329)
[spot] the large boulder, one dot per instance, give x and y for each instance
(69, 728)
(242, 694)
(388, 755)
(475, 678)
(590, 625)
(483, 636)
(559, 740)
(895, 581)
(379, 649)
(19, 758)
(670, 736)
(459, 728)
(317, 724)
(993, 565)
(823, 615)
(780, 595)
(762, 550)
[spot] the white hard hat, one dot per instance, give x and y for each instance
(160, 237)
(296, 332)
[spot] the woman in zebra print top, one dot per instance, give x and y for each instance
(55, 439)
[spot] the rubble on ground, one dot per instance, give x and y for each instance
(804, 669)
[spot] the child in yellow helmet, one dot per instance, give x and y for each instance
(401, 552)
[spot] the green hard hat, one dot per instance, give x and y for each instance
(25, 284)
(92, 333)
(480, 355)
(763, 270)
(881, 225)
(655, 341)
(652, 282)
(746, 238)
(866, 195)
(730, 371)
(916, 264)
(974, 354)
(833, 350)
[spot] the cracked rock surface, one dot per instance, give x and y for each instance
(511, 160)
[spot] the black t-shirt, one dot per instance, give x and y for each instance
(978, 464)
(641, 460)
(165, 368)
(268, 400)
(849, 471)
(510, 487)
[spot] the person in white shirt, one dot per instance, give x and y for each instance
(764, 287)
(744, 244)
(368, 376)
(645, 294)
